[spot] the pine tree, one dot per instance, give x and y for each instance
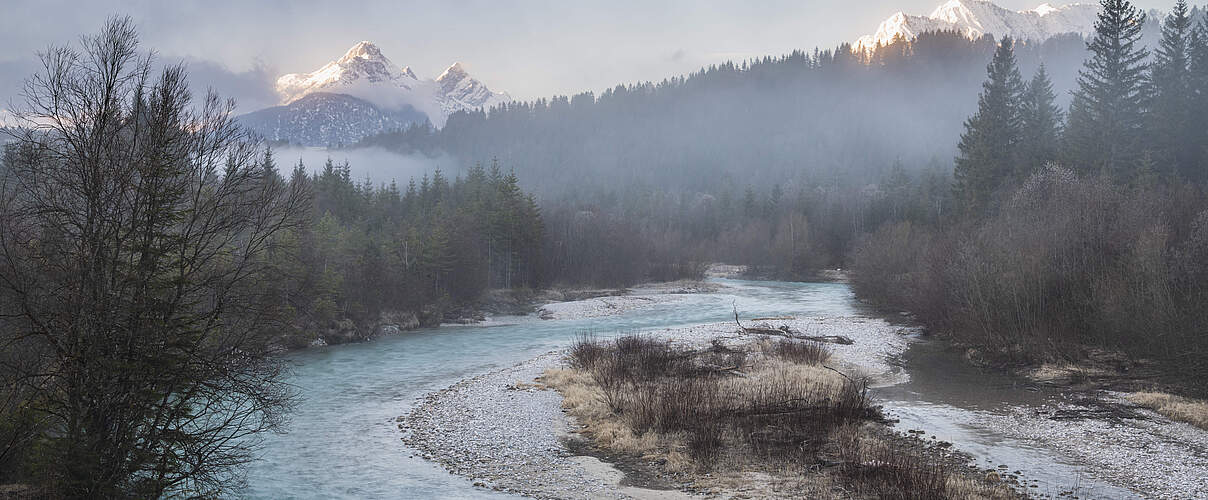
(269, 166)
(1106, 115)
(299, 173)
(988, 145)
(1197, 168)
(1041, 125)
(1170, 133)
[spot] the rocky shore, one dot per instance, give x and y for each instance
(503, 431)
(1125, 445)
(499, 431)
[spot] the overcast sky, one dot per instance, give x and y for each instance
(527, 48)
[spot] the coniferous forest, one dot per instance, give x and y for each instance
(1076, 195)
(1028, 202)
(1071, 234)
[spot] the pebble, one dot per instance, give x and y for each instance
(504, 438)
(501, 438)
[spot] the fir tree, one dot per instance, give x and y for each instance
(269, 166)
(1171, 137)
(299, 173)
(1041, 121)
(1197, 168)
(988, 145)
(1106, 115)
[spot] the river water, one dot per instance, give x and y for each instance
(342, 441)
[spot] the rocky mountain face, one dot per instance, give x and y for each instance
(327, 119)
(975, 18)
(364, 93)
(362, 66)
(460, 91)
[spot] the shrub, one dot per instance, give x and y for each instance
(805, 352)
(1064, 263)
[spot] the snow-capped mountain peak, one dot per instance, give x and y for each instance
(361, 65)
(975, 18)
(364, 49)
(1045, 9)
(461, 91)
(366, 73)
(456, 71)
(364, 92)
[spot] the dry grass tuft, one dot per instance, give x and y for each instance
(725, 415)
(806, 352)
(1191, 411)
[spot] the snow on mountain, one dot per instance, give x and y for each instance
(362, 64)
(463, 92)
(327, 119)
(975, 18)
(364, 72)
(8, 119)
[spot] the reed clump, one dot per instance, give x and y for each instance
(719, 414)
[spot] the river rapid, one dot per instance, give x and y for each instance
(342, 440)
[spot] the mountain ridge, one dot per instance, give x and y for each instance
(327, 119)
(366, 73)
(364, 93)
(976, 18)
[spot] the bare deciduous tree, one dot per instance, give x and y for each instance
(133, 227)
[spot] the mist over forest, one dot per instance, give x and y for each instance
(874, 271)
(806, 117)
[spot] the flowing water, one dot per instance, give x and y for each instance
(342, 441)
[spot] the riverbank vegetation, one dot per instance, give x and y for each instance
(715, 416)
(384, 257)
(1194, 412)
(1072, 235)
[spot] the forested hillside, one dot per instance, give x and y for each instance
(799, 116)
(1078, 229)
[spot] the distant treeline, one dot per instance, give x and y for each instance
(779, 162)
(372, 256)
(802, 115)
(408, 253)
(1075, 228)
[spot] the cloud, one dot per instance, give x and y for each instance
(252, 89)
(12, 78)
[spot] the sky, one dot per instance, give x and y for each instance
(528, 48)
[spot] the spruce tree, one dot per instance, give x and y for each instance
(268, 165)
(1197, 168)
(1041, 125)
(988, 145)
(1106, 115)
(1169, 125)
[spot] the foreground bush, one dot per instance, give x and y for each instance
(1066, 263)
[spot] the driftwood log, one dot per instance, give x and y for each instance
(785, 331)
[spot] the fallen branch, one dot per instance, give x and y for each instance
(839, 372)
(760, 330)
(831, 339)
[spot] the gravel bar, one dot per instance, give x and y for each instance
(501, 437)
(501, 433)
(1152, 455)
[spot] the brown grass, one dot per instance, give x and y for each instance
(805, 352)
(1191, 411)
(723, 415)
